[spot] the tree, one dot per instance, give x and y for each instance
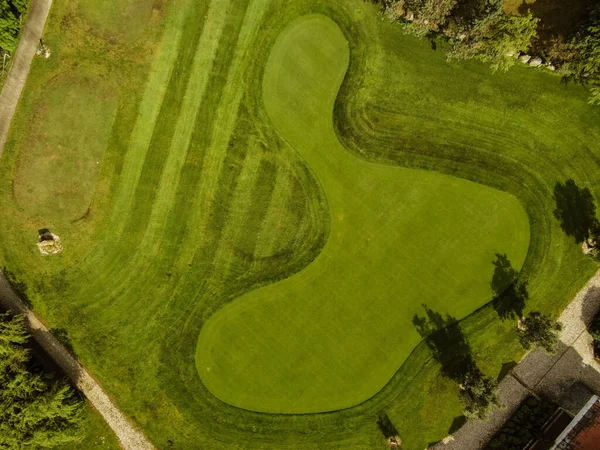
(539, 330)
(583, 66)
(37, 411)
(591, 58)
(479, 393)
(496, 38)
(10, 22)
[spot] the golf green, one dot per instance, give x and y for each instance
(272, 190)
(332, 335)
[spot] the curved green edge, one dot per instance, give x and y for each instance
(333, 335)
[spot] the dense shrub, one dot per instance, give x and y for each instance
(10, 23)
(475, 30)
(594, 328)
(36, 410)
(524, 425)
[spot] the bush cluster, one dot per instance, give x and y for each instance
(479, 29)
(11, 12)
(482, 29)
(523, 426)
(594, 330)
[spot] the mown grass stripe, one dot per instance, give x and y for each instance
(227, 115)
(156, 88)
(272, 225)
(179, 231)
(242, 204)
(134, 219)
(261, 195)
(201, 71)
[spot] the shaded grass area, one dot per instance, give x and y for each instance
(136, 284)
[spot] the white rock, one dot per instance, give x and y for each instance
(50, 246)
(524, 58)
(536, 62)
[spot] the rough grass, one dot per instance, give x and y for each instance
(97, 434)
(56, 175)
(333, 335)
(172, 236)
(119, 19)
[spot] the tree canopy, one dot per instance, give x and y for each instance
(10, 22)
(36, 410)
(496, 38)
(539, 330)
(479, 394)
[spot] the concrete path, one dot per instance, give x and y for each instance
(552, 376)
(32, 33)
(129, 437)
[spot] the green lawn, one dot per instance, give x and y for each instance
(205, 191)
(333, 335)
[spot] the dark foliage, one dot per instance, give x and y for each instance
(37, 411)
(524, 425)
(10, 22)
(539, 330)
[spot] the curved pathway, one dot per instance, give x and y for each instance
(550, 375)
(129, 437)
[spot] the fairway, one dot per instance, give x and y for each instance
(334, 334)
(256, 197)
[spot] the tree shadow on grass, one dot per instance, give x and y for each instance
(19, 287)
(63, 337)
(447, 342)
(386, 426)
(505, 370)
(575, 210)
(510, 295)
(456, 424)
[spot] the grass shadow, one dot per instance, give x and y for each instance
(457, 423)
(510, 295)
(19, 287)
(575, 210)
(448, 343)
(62, 336)
(505, 370)
(386, 426)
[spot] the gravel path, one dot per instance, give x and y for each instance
(550, 375)
(129, 437)
(32, 33)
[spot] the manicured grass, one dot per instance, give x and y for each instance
(333, 335)
(201, 198)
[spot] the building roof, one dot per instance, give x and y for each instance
(583, 433)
